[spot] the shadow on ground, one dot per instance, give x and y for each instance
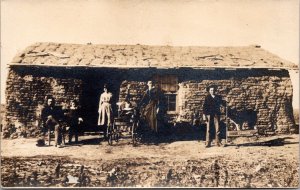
(185, 132)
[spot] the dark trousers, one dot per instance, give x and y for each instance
(73, 131)
(212, 120)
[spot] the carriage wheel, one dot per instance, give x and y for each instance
(134, 133)
(134, 139)
(109, 134)
(116, 135)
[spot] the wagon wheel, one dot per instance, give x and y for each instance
(109, 134)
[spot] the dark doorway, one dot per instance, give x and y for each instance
(89, 102)
(92, 88)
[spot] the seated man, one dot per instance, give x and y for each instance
(74, 119)
(50, 118)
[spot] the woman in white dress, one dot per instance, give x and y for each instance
(105, 109)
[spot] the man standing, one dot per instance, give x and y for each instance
(50, 117)
(211, 114)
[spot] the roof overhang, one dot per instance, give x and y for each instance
(151, 67)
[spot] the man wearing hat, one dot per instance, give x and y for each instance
(211, 114)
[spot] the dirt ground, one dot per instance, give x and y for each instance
(266, 162)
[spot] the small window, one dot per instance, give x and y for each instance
(171, 102)
(168, 84)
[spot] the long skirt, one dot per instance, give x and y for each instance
(105, 114)
(150, 115)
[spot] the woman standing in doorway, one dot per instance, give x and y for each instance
(149, 106)
(105, 109)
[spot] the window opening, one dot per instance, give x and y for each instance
(168, 84)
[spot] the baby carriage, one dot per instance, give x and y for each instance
(126, 124)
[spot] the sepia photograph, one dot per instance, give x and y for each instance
(149, 94)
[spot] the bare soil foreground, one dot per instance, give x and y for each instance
(174, 164)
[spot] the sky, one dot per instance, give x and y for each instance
(273, 24)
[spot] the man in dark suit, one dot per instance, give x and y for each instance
(211, 114)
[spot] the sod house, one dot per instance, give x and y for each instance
(254, 82)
